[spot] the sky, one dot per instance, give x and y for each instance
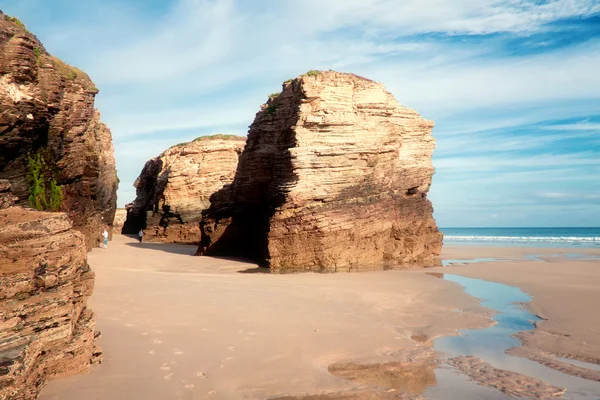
(513, 86)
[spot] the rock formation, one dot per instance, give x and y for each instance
(334, 177)
(120, 218)
(47, 108)
(46, 330)
(174, 188)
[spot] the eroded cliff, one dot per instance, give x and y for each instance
(46, 330)
(334, 177)
(47, 111)
(174, 188)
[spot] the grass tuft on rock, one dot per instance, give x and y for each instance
(17, 22)
(44, 192)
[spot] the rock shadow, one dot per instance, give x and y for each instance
(183, 249)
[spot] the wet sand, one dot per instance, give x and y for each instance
(181, 327)
(564, 283)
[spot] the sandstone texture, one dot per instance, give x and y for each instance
(174, 188)
(47, 105)
(120, 218)
(334, 177)
(46, 330)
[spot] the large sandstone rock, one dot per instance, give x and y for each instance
(47, 104)
(174, 188)
(46, 330)
(334, 177)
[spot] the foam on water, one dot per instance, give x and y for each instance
(543, 237)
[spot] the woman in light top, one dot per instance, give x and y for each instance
(105, 235)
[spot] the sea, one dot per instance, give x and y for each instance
(532, 237)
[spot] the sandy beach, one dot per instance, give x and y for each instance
(181, 327)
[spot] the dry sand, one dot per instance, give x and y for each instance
(566, 292)
(181, 327)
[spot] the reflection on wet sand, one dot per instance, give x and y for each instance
(409, 377)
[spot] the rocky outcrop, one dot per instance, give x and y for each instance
(47, 108)
(334, 177)
(46, 330)
(7, 199)
(120, 218)
(174, 188)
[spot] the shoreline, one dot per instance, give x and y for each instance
(176, 326)
(562, 288)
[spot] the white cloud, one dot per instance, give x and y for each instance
(202, 65)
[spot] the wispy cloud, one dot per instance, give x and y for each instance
(512, 87)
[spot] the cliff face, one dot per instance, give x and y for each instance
(334, 176)
(174, 188)
(46, 330)
(47, 107)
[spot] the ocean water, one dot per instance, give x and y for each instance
(537, 237)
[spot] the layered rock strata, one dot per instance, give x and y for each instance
(334, 177)
(46, 330)
(48, 106)
(174, 188)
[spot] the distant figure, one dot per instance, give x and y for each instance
(140, 235)
(105, 235)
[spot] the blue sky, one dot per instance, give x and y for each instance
(513, 86)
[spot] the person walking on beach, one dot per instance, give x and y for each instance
(140, 235)
(105, 235)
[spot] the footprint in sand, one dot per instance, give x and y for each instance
(130, 325)
(156, 331)
(201, 375)
(151, 352)
(168, 377)
(189, 386)
(157, 341)
(177, 352)
(231, 348)
(144, 333)
(165, 368)
(228, 359)
(212, 393)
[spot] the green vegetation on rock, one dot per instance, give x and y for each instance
(271, 109)
(17, 22)
(44, 192)
(273, 95)
(65, 70)
(217, 136)
(38, 56)
(312, 72)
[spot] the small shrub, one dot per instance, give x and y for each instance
(312, 73)
(273, 95)
(44, 192)
(65, 70)
(220, 136)
(287, 81)
(17, 22)
(38, 56)
(271, 109)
